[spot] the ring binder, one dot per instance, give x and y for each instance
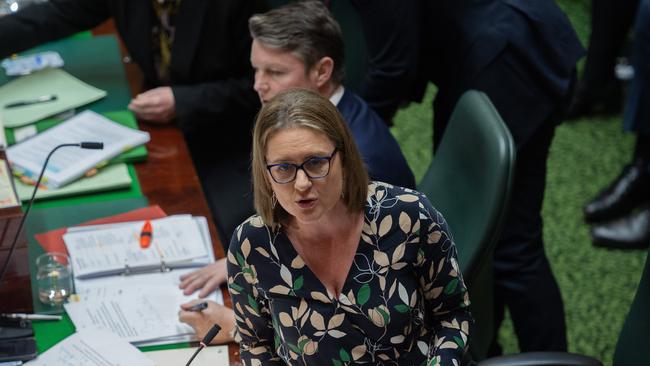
(163, 267)
(128, 270)
(182, 242)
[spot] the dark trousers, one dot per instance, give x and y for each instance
(611, 21)
(524, 281)
(637, 108)
(523, 278)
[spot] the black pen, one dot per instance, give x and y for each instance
(23, 103)
(198, 307)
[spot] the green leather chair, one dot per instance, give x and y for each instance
(631, 348)
(469, 182)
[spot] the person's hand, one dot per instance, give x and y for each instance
(207, 279)
(155, 105)
(202, 321)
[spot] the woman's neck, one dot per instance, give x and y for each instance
(336, 223)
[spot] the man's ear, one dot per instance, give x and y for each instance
(322, 71)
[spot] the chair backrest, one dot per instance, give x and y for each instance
(635, 335)
(469, 182)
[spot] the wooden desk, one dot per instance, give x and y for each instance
(167, 178)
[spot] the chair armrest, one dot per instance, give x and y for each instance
(542, 359)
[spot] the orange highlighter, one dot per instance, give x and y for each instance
(146, 235)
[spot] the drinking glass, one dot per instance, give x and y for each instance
(54, 278)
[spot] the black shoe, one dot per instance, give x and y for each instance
(631, 189)
(631, 232)
(606, 100)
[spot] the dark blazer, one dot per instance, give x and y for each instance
(378, 147)
(452, 41)
(210, 71)
(533, 41)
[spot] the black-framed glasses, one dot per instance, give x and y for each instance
(315, 167)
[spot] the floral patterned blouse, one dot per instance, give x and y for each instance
(403, 302)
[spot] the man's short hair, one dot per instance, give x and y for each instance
(304, 28)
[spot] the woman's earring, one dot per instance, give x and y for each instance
(274, 200)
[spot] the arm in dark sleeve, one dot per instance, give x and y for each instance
(232, 97)
(446, 296)
(391, 30)
(48, 21)
(216, 99)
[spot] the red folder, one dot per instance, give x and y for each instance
(52, 241)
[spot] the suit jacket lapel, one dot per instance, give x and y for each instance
(188, 32)
(135, 27)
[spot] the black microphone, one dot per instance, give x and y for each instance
(206, 340)
(83, 145)
(92, 145)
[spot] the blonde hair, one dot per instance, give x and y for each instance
(306, 109)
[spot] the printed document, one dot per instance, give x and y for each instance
(114, 249)
(92, 348)
(70, 163)
(141, 308)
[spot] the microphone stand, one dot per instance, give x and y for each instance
(206, 340)
(83, 145)
(22, 329)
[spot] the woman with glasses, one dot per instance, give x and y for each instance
(335, 269)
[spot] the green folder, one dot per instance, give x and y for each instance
(69, 93)
(95, 60)
(133, 190)
(114, 176)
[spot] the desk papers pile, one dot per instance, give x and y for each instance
(70, 163)
(140, 308)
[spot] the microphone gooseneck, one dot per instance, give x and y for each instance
(83, 145)
(206, 340)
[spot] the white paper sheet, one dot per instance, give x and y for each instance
(210, 356)
(104, 250)
(92, 348)
(135, 316)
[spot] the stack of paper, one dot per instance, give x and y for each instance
(111, 249)
(141, 308)
(70, 163)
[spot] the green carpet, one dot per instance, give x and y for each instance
(597, 285)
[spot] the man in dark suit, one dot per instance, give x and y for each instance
(194, 57)
(522, 54)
